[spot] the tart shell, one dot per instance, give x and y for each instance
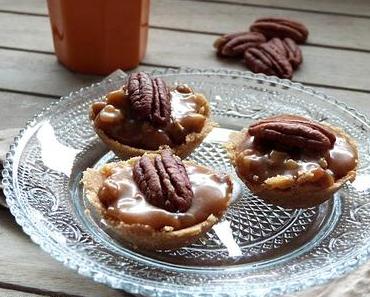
(139, 235)
(192, 140)
(298, 196)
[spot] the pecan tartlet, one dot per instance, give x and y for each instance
(292, 161)
(145, 114)
(156, 201)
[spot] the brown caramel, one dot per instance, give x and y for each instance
(259, 164)
(125, 202)
(113, 116)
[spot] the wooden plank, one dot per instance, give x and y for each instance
(322, 65)
(17, 109)
(24, 6)
(39, 73)
(26, 31)
(33, 32)
(354, 7)
(330, 30)
(25, 264)
(13, 293)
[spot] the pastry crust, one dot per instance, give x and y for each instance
(139, 235)
(192, 140)
(298, 196)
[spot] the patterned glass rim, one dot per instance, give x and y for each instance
(86, 267)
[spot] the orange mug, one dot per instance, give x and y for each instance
(99, 36)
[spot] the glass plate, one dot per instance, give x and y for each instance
(257, 250)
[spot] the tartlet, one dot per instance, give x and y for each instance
(158, 202)
(145, 115)
(292, 161)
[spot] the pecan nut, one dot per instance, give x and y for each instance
(258, 61)
(278, 45)
(149, 98)
(234, 44)
(293, 52)
(289, 49)
(293, 132)
(268, 58)
(280, 27)
(164, 181)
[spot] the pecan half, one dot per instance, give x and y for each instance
(278, 45)
(149, 98)
(279, 61)
(270, 59)
(280, 27)
(293, 52)
(289, 49)
(164, 181)
(293, 132)
(258, 61)
(234, 44)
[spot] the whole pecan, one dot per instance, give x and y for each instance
(149, 98)
(164, 181)
(268, 58)
(280, 27)
(234, 44)
(293, 132)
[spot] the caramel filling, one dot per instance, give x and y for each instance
(260, 164)
(188, 115)
(125, 202)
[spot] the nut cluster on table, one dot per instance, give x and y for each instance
(270, 47)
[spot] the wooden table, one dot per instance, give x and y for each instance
(336, 61)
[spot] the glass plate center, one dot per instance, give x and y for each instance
(251, 230)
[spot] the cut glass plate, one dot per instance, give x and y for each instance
(257, 249)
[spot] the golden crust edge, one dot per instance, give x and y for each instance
(300, 196)
(192, 140)
(139, 235)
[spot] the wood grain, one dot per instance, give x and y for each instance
(330, 30)
(325, 29)
(38, 73)
(14, 293)
(24, 6)
(322, 66)
(26, 31)
(27, 265)
(19, 109)
(354, 7)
